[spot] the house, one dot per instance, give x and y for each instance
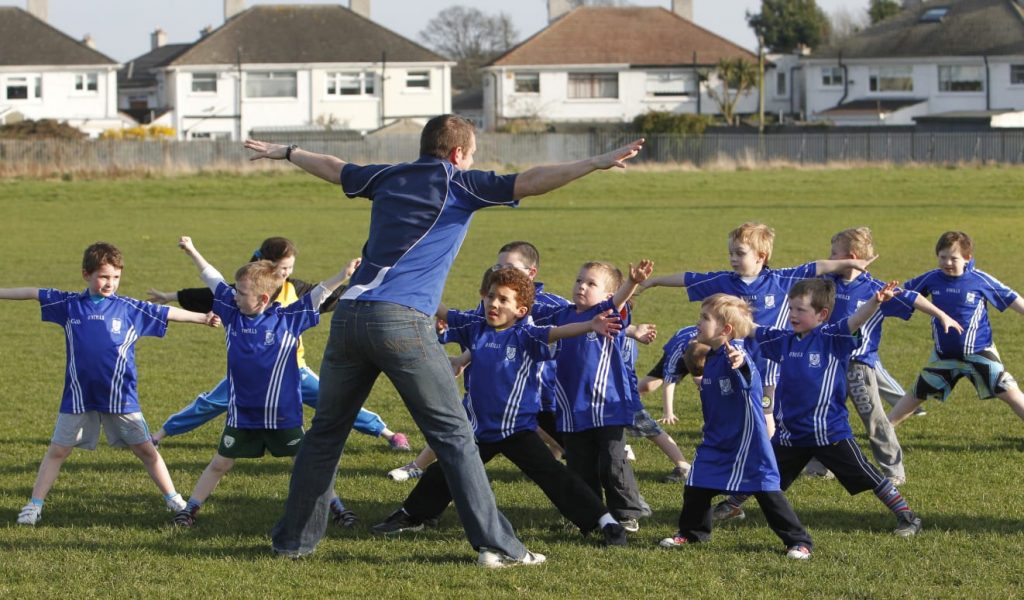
(610, 64)
(938, 61)
(45, 74)
(282, 67)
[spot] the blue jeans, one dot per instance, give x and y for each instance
(368, 338)
(209, 405)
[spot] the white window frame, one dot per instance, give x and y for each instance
(204, 77)
(831, 77)
(883, 80)
(365, 84)
(265, 76)
(87, 83)
(590, 85)
(33, 85)
(419, 81)
(950, 75)
(781, 84)
(670, 84)
(529, 79)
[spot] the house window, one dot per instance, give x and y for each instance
(891, 79)
(271, 84)
(204, 83)
(934, 15)
(527, 83)
(353, 83)
(831, 76)
(1016, 74)
(86, 82)
(417, 79)
(593, 85)
(26, 87)
(670, 83)
(961, 78)
(781, 89)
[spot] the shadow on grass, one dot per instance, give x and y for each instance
(883, 522)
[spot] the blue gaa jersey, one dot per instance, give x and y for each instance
(99, 339)
(503, 396)
(673, 368)
(734, 454)
(593, 375)
(850, 295)
(420, 215)
(263, 373)
(810, 400)
(766, 296)
(965, 299)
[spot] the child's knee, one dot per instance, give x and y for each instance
(58, 452)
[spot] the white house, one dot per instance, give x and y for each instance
(939, 61)
(45, 74)
(610, 64)
(290, 67)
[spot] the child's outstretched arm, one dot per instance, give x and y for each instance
(645, 333)
(607, 324)
(1018, 305)
(158, 297)
(925, 305)
(210, 276)
(187, 316)
(673, 280)
(24, 293)
(824, 267)
(324, 289)
(637, 275)
(869, 308)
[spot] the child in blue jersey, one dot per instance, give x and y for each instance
(100, 330)
(595, 402)
(764, 288)
(810, 406)
(964, 292)
(264, 390)
(211, 404)
(502, 401)
(735, 454)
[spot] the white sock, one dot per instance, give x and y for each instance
(606, 519)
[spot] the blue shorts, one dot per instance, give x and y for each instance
(985, 370)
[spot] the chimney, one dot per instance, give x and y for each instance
(360, 7)
(205, 31)
(232, 8)
(557, 8)
(38, 9)
(88, 41)
(683, 8)
(157, 39)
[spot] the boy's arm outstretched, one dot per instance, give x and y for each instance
(824, 267)
(24, 293)
(187, 316)
(1018, 304)
(607, 324)
(925, 305)
(673, 280)
(637, 275)
(210, 276)
(322, 291)
(869, 308)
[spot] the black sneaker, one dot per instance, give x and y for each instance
(614, 534)
(342, 516)
(907, 524)
(185, 518)
(396, 523)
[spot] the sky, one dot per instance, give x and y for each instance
(121, 28)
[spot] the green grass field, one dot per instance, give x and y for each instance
(105, 532)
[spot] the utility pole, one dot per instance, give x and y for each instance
(760, 84)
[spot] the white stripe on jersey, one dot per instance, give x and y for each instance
(355, 291)
(285, 353)
(736, 477)
(470, 413)
(116, 402)
(972, 329)
(564, 412)
(515, 397)
(232, 406)
(820, 422)
(866, 330)
(598, 397)
(77, 401)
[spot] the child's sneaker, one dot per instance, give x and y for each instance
(798, 552)
(405, 472)
(176, 503)
(399, 442)
(907, 524)
(816, 469)
(674, 542)
(30, 514)
(629, 453)
(396, 523)
(342, 516)
(185, 518)
(630, 525)
(726, 511)
(678, 475)
(494, 559)
(614, 535)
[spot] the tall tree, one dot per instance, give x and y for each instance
(788, 24)
(845, 23)
(736, 77)
(880, 10)
(471, 38)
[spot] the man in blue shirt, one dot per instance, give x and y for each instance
(419, 217)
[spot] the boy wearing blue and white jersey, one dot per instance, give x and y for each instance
(669, 370)
(735, 454)
(595, 402)
(264, 389)
(764, 288)
(964, 292)
(502, 401)
(100, 332)
(810, 407)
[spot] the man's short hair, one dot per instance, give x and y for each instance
(731, 310)
(760, 238)
(527, 250)
(694, 357)
(956, 238)
(99, 254)
(445, 133)
(262, 275)
(518, 282)
(614, 274)
(821, 291)
(275, 249)
(857, 241)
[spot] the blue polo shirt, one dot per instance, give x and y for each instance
(420, 215)
(850, 295)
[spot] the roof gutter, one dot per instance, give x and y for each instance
(792, 86)
(988, 81)
(846, 79)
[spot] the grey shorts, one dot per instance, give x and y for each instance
(83, 430)
(644, 425)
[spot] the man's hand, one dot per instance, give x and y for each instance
(265, 150)
(618, 156)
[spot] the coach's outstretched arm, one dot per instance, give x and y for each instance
(324, 166)
(543, 179)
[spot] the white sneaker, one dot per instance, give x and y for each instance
(30, 514)
(493, 559)
(405, 472)
(629, 453)
(798, 552)
(176, 503)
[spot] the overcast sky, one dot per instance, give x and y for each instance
(121, 28)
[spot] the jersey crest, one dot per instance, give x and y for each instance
(769, 301)
(725, 385)
(115, 325)
(814, 358)
(510, 352)
(268, 337)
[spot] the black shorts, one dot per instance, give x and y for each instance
(843, 458)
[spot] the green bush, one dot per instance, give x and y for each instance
(41, 129)
(667, 122)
